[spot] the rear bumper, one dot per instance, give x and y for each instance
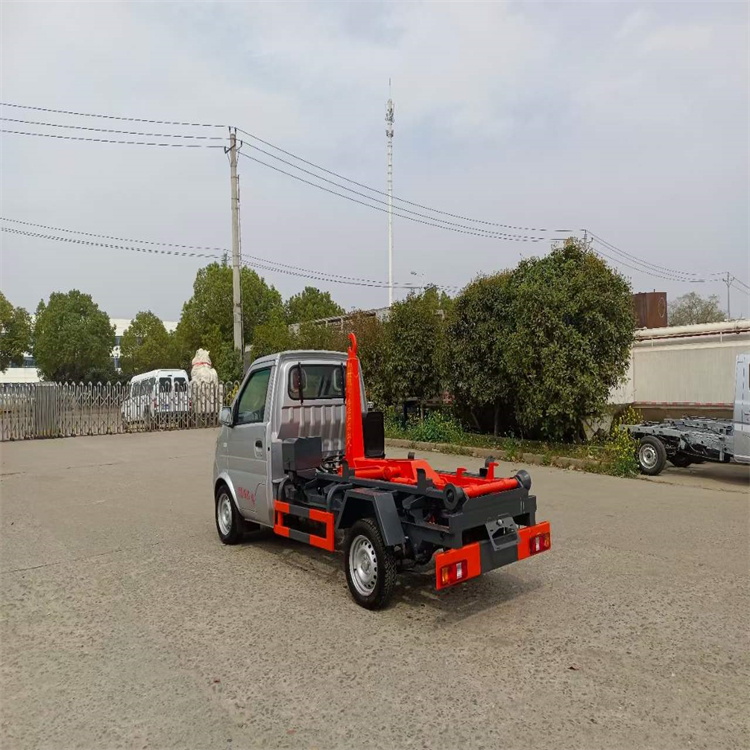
(481, 557)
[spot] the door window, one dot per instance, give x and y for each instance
(251, 406)
(180, 385)
(165, 385)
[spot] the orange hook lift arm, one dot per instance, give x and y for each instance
(355, 443)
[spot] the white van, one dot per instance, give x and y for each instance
(156, 394)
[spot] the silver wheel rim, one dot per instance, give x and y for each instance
(363, 565)
(648, 456)
(224, 514)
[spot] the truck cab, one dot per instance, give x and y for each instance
(741, 417)
(294, 394)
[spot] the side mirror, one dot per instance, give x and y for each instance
(225, 416)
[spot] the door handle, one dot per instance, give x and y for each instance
(258, 443)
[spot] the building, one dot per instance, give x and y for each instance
(678, 371)
(29, 374)
(339, 321)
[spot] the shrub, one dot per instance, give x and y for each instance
(436, 428)
(621, 447)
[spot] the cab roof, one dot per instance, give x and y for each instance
(299, 355)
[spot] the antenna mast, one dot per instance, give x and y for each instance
(389, 136)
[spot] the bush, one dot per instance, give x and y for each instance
(434, 428)
(393, 424)
(621, 447)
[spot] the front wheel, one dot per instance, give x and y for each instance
(228, 521)
(370, 566)
(652, 455)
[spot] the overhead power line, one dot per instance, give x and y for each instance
(476, 233)
(395, 198)
(111, 117)
(190, 252)
(120, 132)
(654, 266)
(489, 232)
(654, 274)
(112, 237)
(624, 258)
(133, 248)
(222, 250)
(109, 140)
(316, 277)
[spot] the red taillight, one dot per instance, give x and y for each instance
(539, 543)
(155, 402)
(454, 573)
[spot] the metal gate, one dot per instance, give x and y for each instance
(45, 410)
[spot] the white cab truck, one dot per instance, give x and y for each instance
(692, 440)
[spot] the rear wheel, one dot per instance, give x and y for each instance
(652, 455)
(229, 523)
(370, 566)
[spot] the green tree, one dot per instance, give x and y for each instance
(320, 338)
(562, 330)
(372, 350)
(311, 304)
(15, 334)
(73, 338)
(478, 327)
(272, 336)
(691, 308)
(210, 309)
(225, 359)
(415, 343)
(146, 345)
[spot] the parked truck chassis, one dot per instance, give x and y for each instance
(683, 442)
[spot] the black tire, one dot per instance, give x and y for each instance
(680, 460)
(652, 455)
(379, 594)
(230, 525)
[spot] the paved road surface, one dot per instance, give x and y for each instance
(125, 623)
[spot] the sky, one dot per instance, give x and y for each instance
(628, 119)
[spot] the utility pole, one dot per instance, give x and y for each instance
(728, 282)
(389, 136)
(236, 294)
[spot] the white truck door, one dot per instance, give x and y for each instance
(248, 445)
(742, 410)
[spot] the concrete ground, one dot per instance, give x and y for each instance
(125, 623)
